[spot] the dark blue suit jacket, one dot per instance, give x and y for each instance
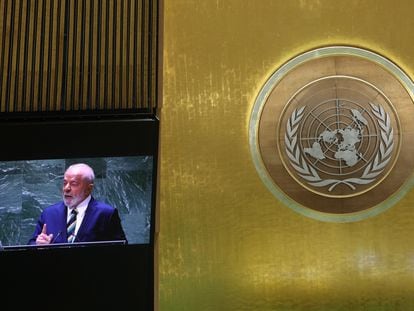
(100, 223)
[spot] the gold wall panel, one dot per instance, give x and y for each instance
(226, 243)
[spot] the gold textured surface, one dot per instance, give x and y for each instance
(225, 242)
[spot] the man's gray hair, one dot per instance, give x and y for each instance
(87, 171)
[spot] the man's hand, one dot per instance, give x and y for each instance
(43, 237)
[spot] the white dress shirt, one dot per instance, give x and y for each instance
(81, 208)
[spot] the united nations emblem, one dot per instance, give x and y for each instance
(326, 133)
(339, 145)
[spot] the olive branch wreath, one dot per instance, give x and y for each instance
(372, 170)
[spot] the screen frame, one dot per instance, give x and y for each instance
(85, 137)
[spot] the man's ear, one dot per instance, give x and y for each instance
(90, 188)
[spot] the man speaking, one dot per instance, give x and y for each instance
(79, 218)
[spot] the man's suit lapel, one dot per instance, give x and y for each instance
(87, 218)
(61, 220)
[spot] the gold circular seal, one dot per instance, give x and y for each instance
(330, 133)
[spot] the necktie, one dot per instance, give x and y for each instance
(71, 225)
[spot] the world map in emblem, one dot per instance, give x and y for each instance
(344, 140)
(338, 144)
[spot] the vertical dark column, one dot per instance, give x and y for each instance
(98, 55)
(42, 56)
(155, 54)
(9, 65)
(106, 86)
(142, 73)
(25, 55)
(74, 50)
(3, 49)
(134, 66)
(49, 57)
(121, 35)
(34, 45)
(149, 96)
(128, 61)
(65, 56)
(114, 25)
(17, 68)
(82, 55)
(90, 58)
(57, 62)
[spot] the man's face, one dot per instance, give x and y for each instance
(75, 188)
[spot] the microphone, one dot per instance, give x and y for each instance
(54, 238)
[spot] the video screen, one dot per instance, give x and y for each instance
(28, 187)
